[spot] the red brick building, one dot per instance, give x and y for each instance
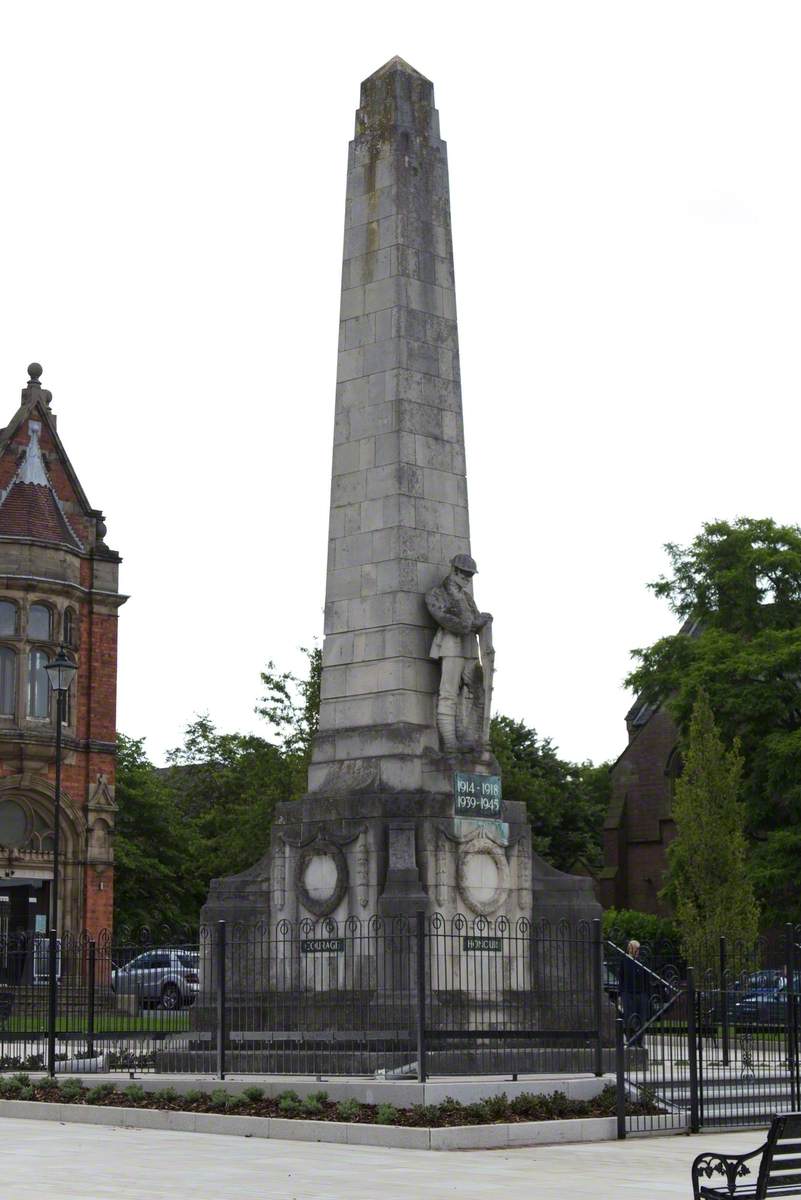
(58, 586)
(639, 826)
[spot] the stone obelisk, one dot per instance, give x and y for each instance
(398, 493)
(407, 659)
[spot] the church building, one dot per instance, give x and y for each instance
(639, 824)
(58, 587)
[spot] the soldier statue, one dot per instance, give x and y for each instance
(465, 688)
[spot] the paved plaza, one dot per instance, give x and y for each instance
(75, 1162)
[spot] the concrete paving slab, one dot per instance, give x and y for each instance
(80, 1162)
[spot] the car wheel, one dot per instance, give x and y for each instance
(170, 997)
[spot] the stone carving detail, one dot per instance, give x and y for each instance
(321, 876)
(363, 869)
(483, 885)
(101, 809)
(463, 644)
(279, 892)
(524, 865)
(441, 870)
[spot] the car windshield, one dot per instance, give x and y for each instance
(189, 960)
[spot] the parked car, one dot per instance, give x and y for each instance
(166, 977)
(766, 1004)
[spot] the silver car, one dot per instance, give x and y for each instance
(165, 977)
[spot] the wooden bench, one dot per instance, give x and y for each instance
(778, 1172)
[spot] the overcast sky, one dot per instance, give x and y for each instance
(626, 200)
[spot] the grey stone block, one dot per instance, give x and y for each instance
(290, 1130)
(373, 420)
(352, 393)
(470, 1137)
(384, 293)
(358, 331)
(350, 364)
(424, 419)
(352, 303)
(394, 1136)
(434, 452)
(349, 489)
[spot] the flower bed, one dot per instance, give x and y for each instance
(318, 1107)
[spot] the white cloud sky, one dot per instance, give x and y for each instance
(625, 190)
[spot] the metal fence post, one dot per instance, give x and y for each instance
(724, 1002)
(598, 994)
(790, 1031)
(52, 1001)
(620, 1077)
(90, 1015)
(420, 959)
(221, 999)
(692, 1051)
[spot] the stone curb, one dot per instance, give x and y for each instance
(457, 1137)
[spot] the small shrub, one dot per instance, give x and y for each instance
(253, 1093)
(10, 1088)
(348, 1110)
(289, 1103)
(496, 1108)
(48, 1084)
(196, 1096)
(97, 1095)
(423, 1114)
(312, 1105)
(218, 1098)
(26, 1093)
(22, 1079)
(165, 1095)
(387, 1114)
(135, 1092)
(71, 1090)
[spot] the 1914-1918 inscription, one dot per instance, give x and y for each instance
(476, 795)
(333, 945)
(474, 941)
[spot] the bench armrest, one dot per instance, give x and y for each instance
(731, 1165)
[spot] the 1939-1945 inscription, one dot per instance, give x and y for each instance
(476, 795)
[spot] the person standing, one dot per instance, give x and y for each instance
(633, 981)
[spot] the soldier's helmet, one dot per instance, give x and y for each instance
(465, 563)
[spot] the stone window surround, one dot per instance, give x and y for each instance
(21, 645)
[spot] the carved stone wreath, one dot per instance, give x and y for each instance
(321, 848)
(482, 845)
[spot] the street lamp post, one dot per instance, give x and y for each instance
(60, 672)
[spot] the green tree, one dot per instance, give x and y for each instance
(707, 879)
(291, 707)
(224, 787)
(150, 846)
(737, 589)
(566, 801)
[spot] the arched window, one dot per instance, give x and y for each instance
(39, 622)
(38, 685)
(69, 627)
(14, 824)
(8, 682)
(8, 618)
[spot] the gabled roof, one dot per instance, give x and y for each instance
(30, 506)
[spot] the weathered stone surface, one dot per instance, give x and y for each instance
(399, 494)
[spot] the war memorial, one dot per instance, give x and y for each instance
(404, 810)
(404, 813)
